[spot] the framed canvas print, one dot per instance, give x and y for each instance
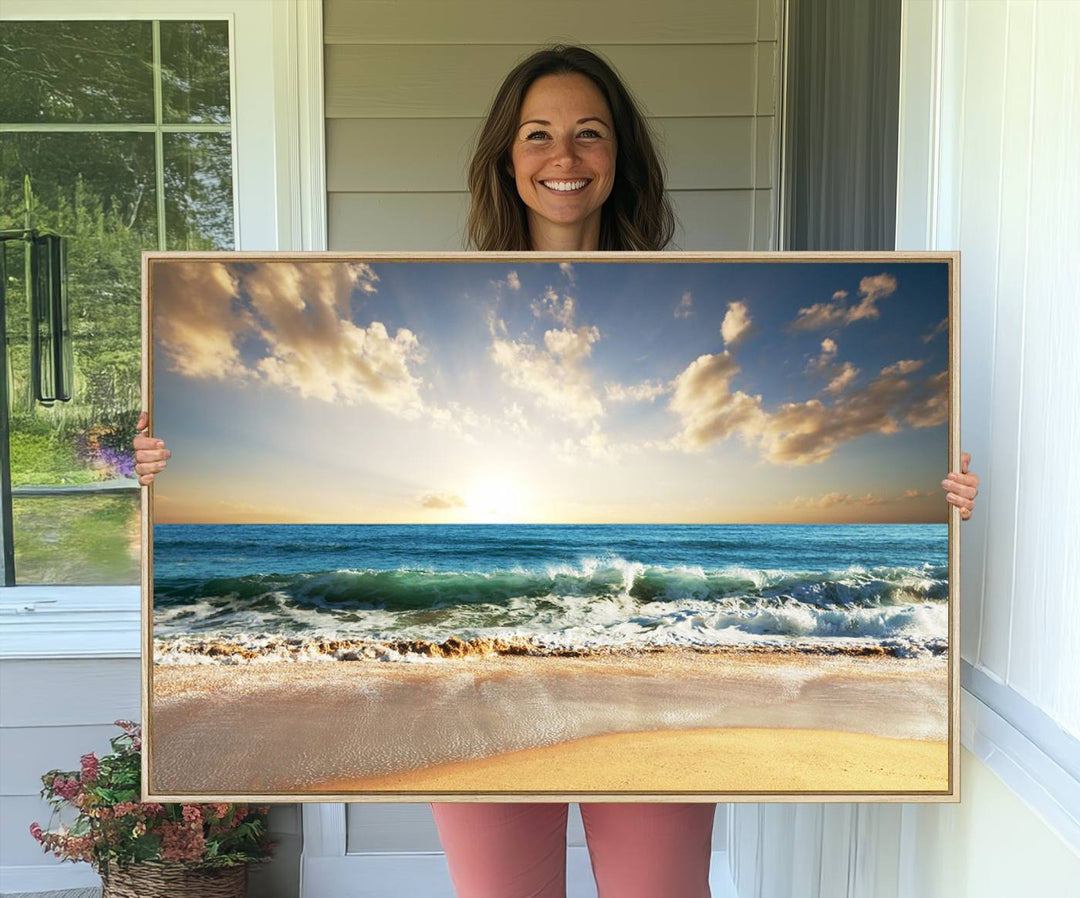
(594, 526)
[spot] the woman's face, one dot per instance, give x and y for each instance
(563, 158)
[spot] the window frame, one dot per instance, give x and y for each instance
(276, 95)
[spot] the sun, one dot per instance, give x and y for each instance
(496, 501)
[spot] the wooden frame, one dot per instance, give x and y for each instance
(559, 316)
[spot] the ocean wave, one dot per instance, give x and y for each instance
(403, 590)
(261, 648)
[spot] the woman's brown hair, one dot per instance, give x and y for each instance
(637, 214)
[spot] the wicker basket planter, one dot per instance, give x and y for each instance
(147, 880)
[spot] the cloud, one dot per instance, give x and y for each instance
(930, 406)
(736, 324)
(843, 379)
(802, 433)
(595, 445)
(512, 281)
(562, 311)
(708, 408)
(296, 321)
(840, 375)
(198, 318)
(837, 313)
(796, 433)
(459, 420)
(646, 391)
(555, 374)
(442, 500)
(685, 308)
(828, 356)
(903, 367)
(312, 346)
(831, 500)
(938, 328)
(515, 419)
(568, 270)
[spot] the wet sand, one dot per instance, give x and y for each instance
(665, 722)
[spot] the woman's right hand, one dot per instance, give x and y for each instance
(150, 453)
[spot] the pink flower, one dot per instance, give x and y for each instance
(153, 809)
(65, 788)
(192, 814)
(89, 768)
(123, 808)
(36, 831)
(181, 842)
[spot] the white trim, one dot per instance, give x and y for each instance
(323, 826)
(918, 129)
(299, 110)
(47, 878)
(1023, 766)
(70, 622)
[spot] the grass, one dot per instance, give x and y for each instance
(77, 540)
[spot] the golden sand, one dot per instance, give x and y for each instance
(699, 722)
(708, 760)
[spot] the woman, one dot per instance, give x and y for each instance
(565, 163)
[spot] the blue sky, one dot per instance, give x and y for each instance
(422, 392)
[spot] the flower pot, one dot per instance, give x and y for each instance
(149, 880)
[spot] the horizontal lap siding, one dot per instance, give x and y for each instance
(408, 84)
(53, 712)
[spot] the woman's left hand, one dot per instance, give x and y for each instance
(962, 488)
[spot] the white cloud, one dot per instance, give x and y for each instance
(442, 501)
(837, 313)
(568, 270)
(198, 318)
(561, 310)
(312, 346)
(594, 446)
(938, 328)
(685, 308)
(297, 320)
(902, 368)
(843, 379)
(512, 281)
(824, 361)
(736, 324)
(646, 391)
(796, 433)
(930, 406)
(831, 500)
(515, 419)
(555, 374)
(709, 410)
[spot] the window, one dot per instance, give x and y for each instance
(118, 136)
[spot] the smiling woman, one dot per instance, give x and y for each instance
(563, 160)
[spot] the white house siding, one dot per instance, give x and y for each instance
(53, 711)
(408, 83)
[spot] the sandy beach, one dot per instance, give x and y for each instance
(671, 721)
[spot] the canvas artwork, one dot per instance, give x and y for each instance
(594, 526)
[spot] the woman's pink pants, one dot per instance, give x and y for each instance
(639, 850)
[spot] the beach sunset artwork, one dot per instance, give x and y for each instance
(602, 525)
